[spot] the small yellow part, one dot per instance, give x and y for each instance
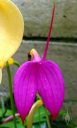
(11, 61)
(32, 51)
(2, 64)
(0, 75)
(11, 29)
(35, 106)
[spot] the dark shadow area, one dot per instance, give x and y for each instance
(57, 39)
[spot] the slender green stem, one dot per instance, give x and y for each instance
(11, 93)
(35, 106)
(46, 114)
(17, 63)
(47, 118)
(39, 118)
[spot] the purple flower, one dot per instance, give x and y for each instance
(39, 76)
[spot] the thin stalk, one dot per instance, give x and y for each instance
(10, 118)
(39, 118)
(16, 63)
(38, 97)
(35, 106)
(11, 93)
(46, 114)
(47, 118)
(3, 106)
(49, 33)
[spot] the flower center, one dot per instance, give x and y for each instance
(34, 55)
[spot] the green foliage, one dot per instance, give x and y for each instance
(40, 121)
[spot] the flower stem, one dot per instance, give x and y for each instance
(47, 118)
(46, 114)
(11, 93)
(39, 118)
(16, 63)
(35, 106)
(10, 118)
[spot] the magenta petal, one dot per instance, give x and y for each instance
(24, 88)
(51, 86)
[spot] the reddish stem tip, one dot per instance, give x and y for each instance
(50, 30)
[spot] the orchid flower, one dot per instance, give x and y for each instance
(11, 31)
(39, 76)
